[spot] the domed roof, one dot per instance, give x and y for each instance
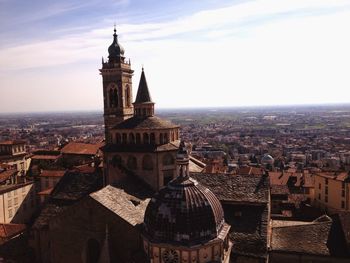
(115, 50)
(267, 159)
(183, 212)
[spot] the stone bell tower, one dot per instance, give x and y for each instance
(117, 87)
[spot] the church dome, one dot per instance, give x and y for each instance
(184, 211)
(115, 50)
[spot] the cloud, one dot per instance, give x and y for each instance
(208, 25)
(253, 53)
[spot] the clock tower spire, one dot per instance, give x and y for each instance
(117, 87)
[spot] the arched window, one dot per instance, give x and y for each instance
(145, 138)
(172, 136)
(144, 112)
(166, 138)
(168, 159)
(110, 97)
(147, 163)
(138, 138)
(115, 97)
(124, 138)
(131, 138)
(118, 138)
(161, 141)
(127, 96)
(153, 138)
(92, 251)
(132, 162)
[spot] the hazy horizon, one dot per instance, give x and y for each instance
(198, 108)
(196, 53)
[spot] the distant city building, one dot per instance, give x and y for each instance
(13, 154)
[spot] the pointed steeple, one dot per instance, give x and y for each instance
(143, 105)
(143, 94)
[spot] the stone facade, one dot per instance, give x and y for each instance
(85, 224)
(137, 142)
(117, 89)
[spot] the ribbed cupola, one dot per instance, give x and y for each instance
(184, 212)
(143, 105)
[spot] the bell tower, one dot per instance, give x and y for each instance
(117, 87)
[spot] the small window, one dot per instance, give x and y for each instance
(152, 138)
(138, 138)
(131, 138)
(326, 190)
(124, 138)
(342, 204)
(10, 213)
(326, 199)
(145, 138)
(118, 138)
(9, 204)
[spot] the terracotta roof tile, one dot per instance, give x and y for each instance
(236, 188)
(52, 173)
(81, 148)
(45, 157)
(6, 175)
(303, 238)
(128, 207)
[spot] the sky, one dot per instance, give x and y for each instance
(206, 53)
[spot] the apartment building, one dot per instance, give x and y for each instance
(332, 191)
(17, 202)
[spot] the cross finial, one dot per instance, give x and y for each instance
(115, 30)
(142, 67)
